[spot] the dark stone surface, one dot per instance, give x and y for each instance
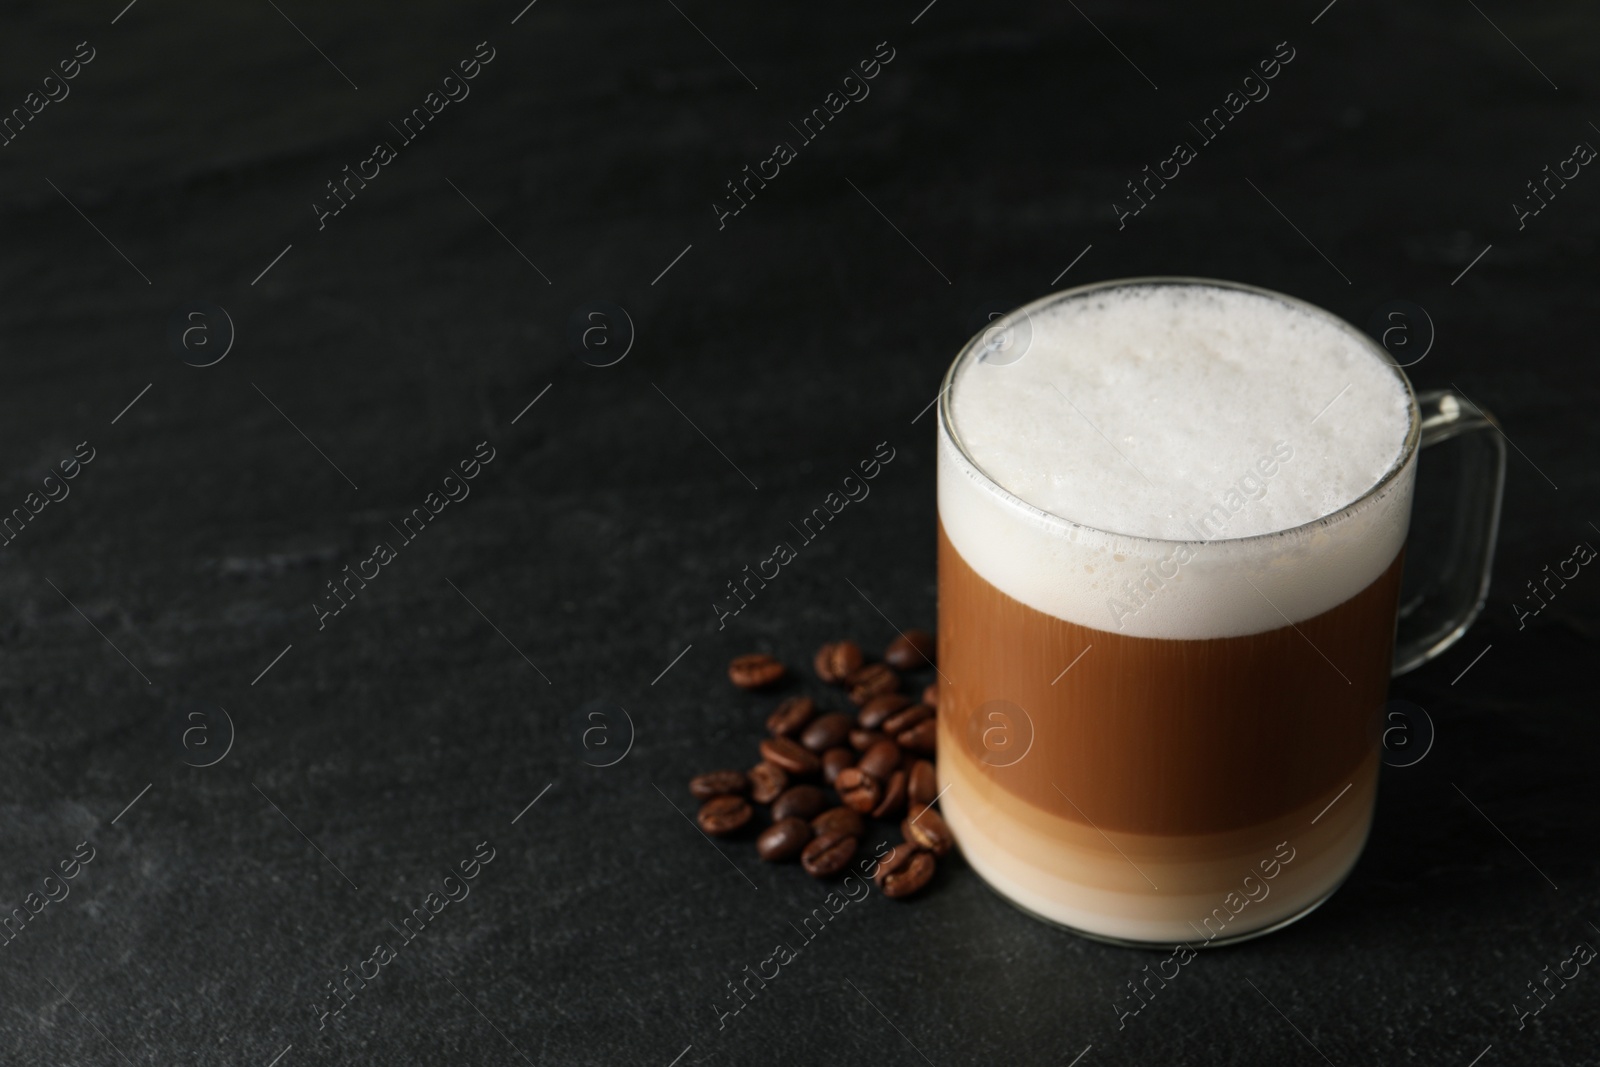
(797, 338)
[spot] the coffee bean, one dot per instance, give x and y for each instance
(757, 670)
(767, 780)
(930, 695)
(874, 679)
(875, 712)
(827, 854)
(724, 814)
(922, 738)
(790, 755)
(893, 862)
(800, 802)
(790, 717)
(829, 731)
(881, 760)
(894, 797)
(922, 785)
(783, 840)
(926, 828)
(902, 721)
(911, 650)
(835, 760)
(836, 660)
(715, 783)
(846, 821)
(861, 740)
(858, 789)
(917, 872)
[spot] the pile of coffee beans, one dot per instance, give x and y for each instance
(824, 773)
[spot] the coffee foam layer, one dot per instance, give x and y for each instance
(1145, 430)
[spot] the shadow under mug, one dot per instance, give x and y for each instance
(1164, 790)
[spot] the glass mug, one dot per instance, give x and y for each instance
(1200, 764)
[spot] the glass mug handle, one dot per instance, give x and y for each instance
(1456, 580)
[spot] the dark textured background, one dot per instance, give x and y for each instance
(796, 339)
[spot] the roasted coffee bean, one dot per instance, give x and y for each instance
(911, 650)
(858, 789)
(881, 760)
(790, 717)
(757, 670)
(846, 821)
(837, 660)
(828, 731)
(908, 879)
(800, 802)
(894, 797)
(875, 712)
(767, 780)
(930, 695)
(874, 679)
(724, 814)
(783, 840)
(893, 862)
(790, 755)
(715, 783)
(922, 785)
(861, 740)
(922, 738)
(835, 760)
(926, 828)
(902, 721)
(827, 854)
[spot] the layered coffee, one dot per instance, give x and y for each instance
(1169, 563)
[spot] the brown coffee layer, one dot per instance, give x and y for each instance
(1160, 736)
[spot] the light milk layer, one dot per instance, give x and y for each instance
(1155, 888)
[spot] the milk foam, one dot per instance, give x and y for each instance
(1142, 415)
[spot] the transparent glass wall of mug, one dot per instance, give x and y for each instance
(1159, 708)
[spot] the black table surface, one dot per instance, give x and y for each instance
(267, 788)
